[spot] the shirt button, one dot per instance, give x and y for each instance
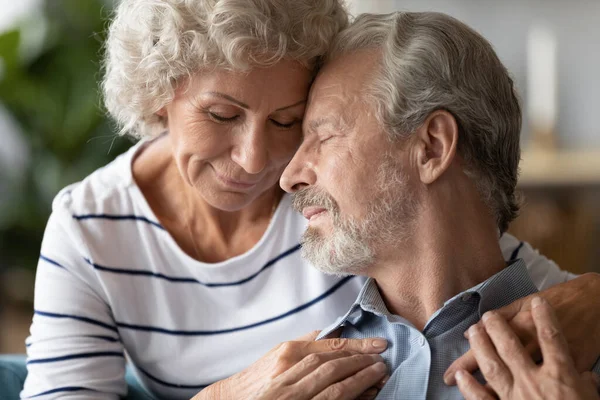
(466, 297)
(422, 341)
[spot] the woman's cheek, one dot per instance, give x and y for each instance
(205, 139)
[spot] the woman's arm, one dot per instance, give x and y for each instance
(509, 369)
(576, 303)
(304, 369)
(74, 349)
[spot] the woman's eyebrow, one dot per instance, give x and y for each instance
(292, 105)
(228, 97)
(246, 106)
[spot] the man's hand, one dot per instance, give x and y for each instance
(577, 305)
(510, 371)
(305, 369)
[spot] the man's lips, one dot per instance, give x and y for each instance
(310, 212)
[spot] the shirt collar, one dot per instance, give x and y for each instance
(507, 286)
(369, 299)
(503, 288)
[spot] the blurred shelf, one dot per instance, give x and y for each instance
(560, 168)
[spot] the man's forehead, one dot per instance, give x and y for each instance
(352, 68)
(329, 105)
(335, 80)
(342, 82)
(332, 94)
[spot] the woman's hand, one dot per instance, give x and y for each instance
(305, 369)
(331, 375)
(509, 370)
(576, 304)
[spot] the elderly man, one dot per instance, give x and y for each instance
(407, 175)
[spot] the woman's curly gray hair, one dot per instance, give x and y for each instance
(152, 44)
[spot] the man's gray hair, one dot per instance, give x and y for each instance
(153, 44)
(431, 61)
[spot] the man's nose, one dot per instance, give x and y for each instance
(299, 173)
(250, 152)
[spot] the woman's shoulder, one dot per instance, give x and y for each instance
(106, 190)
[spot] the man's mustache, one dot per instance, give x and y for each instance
(310, 197)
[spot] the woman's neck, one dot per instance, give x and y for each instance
(204, 232)
(219, 235)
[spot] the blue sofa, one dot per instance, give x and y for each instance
(13, 372)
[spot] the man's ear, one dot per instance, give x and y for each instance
(435, 145)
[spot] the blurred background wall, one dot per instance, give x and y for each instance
(53, 130)
(508, 25)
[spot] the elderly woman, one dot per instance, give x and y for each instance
(183, 253)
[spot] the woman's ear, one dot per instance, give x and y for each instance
(436, 139)
(162, 112)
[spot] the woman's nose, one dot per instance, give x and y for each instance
(250, 152)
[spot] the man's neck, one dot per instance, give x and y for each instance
(452, 250)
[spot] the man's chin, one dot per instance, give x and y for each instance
(320, 225)
(322, 255)
(325, 267)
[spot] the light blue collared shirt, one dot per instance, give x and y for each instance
(417, 360)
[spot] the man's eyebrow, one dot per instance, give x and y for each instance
(339, 124)
(315, 124)
(228, 97)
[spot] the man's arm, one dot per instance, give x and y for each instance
(577, 306)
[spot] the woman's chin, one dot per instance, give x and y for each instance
(231, 201)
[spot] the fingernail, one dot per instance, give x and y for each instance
(377, 358)
(474, 330)
(380, 367)
(379, 343)
(466, 333)
(369, 394)
(536, 302)
(486, 316)
(448, 378)
(385, 379)
(459, 375)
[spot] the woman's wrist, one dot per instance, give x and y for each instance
(232, 388)
(212, 392)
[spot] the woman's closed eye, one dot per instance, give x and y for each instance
(285, 125)
(222, 118)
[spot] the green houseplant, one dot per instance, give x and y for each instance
(54, 97)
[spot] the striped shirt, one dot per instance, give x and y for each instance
(417, 360)
(111, 282)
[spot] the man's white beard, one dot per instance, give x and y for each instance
(345, 252)
(353, 245)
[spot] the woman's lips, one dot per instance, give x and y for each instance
(237, 184)
(312, 212)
